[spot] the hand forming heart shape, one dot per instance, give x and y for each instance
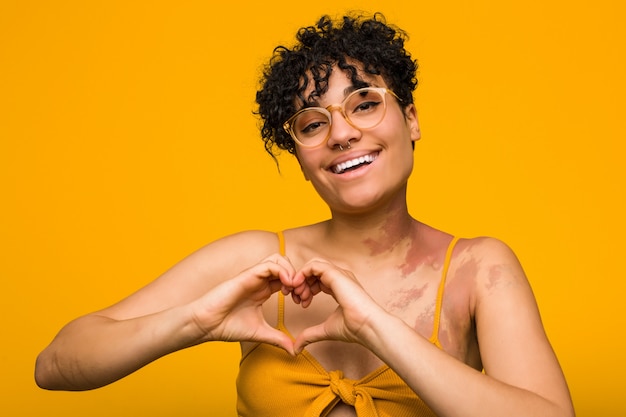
(232, 311)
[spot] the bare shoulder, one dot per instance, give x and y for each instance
(242, 247)
(492, 268)
(197, 273)
(227, 256)
(488, 249)
(493, 259)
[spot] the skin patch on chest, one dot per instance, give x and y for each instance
(402, 299)
(414, 259)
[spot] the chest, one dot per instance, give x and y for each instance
(421, 299)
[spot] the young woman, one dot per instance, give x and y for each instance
(370, 313)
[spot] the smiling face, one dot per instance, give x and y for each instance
(373, 168)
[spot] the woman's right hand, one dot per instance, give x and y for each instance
(232, 311)
(179, 310)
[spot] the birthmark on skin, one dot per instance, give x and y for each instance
(444, 337)
(468, 268)
(391, 234)
(424, 322)
(412, 261)
(498, 277)
(378, 247)
(402, 299)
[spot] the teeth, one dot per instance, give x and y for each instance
(339, 168)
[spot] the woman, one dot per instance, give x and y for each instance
(390, 317)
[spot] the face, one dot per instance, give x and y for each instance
(373, 170)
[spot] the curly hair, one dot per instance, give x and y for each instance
(376, 46)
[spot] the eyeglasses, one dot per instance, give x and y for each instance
(364, 108)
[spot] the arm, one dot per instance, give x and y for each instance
(192, 303)
(522, 376)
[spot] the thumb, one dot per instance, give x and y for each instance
(277, 338)
(310, 335)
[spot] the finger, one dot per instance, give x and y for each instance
(310, 335)
(289, 271)
(325, 277)
(275, 268)
(277, 338)
(282, 261)
(317, 270)
(316, 286)
(303, 294)
(296, 298)
(303, 291)
(310, 277)
(285, 289)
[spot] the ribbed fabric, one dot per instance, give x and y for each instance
(273, 383)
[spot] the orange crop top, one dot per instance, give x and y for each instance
(273, 383)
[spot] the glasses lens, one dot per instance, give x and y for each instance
(365, 108)
(311, 126)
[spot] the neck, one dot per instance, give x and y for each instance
(374, 232)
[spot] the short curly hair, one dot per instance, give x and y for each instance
(376, 46)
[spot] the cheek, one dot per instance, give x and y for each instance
(306, 176)
(306, 163)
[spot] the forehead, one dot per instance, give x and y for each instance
(339, 83)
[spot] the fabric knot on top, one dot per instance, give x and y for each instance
(348, 391)
(342, 387)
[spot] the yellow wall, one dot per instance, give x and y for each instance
(127, 141)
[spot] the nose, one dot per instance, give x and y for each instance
(341, 131)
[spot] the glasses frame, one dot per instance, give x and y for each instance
(288, 125)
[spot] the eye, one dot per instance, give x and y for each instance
(366, 106)
(311, 122)
(312, 127)
(364, 101)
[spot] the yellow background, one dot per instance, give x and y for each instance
(127, 140)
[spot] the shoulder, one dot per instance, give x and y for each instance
(489, 251)
(251, 238)
(485, 253)
(493, 268)
(242, 247)
(197, 273)
(225, 257)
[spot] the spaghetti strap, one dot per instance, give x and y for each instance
(434, 338)
(281, 297)
(281, 242)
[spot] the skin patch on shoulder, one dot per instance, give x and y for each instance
(500, 276)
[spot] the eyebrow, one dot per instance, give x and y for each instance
(346, 92)
(354, 87)
(350, 89)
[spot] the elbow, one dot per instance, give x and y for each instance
(42, 373)
(47, 373)
(54, 375)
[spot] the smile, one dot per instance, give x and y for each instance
(354, 163)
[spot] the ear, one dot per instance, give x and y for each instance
(410, 113)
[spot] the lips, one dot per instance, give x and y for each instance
(354, 163)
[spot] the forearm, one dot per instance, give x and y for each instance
(94, 350)
(448, 386)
